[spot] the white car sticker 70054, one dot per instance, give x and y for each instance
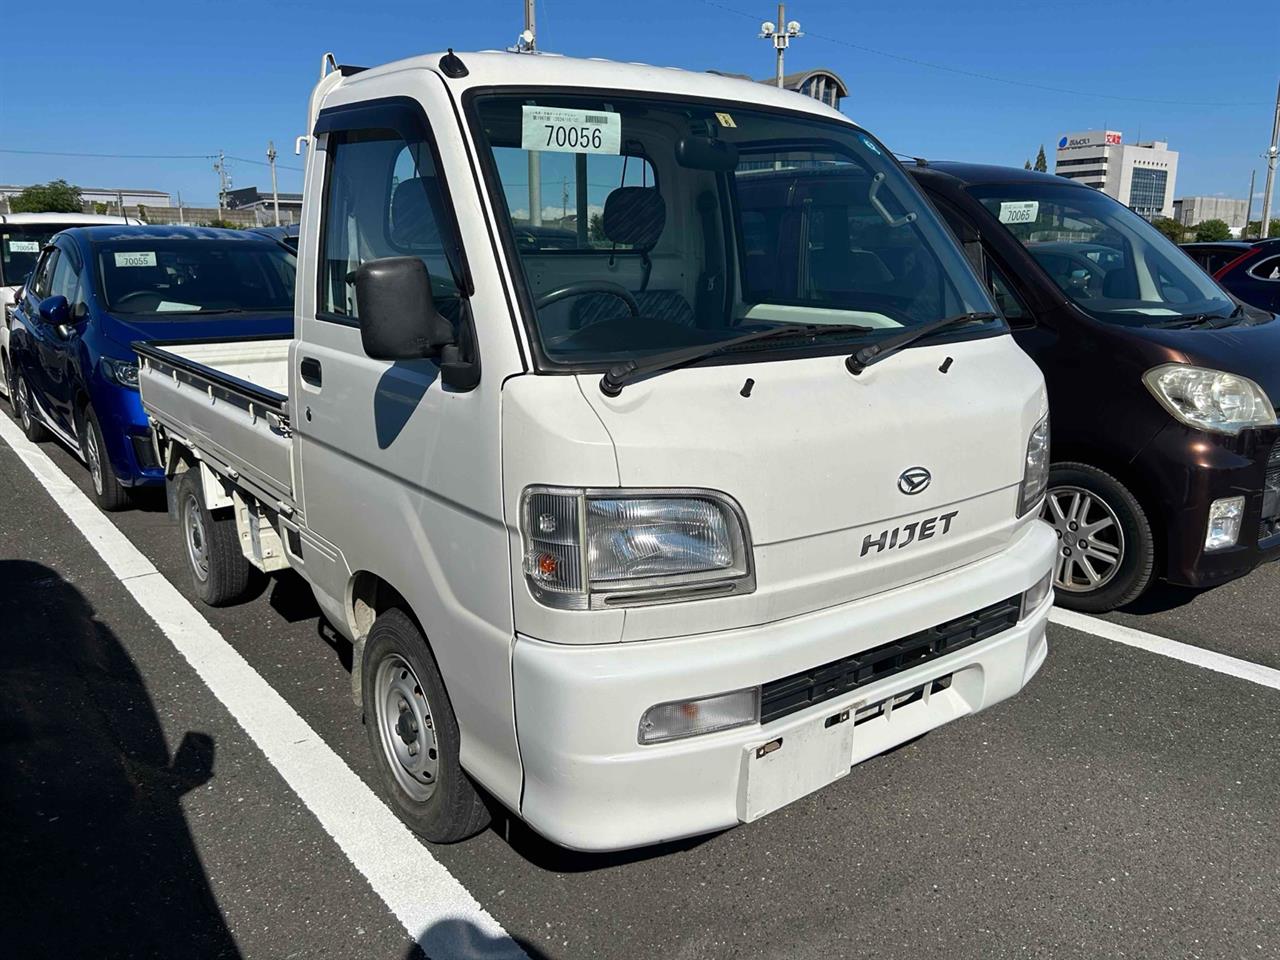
(562, 130)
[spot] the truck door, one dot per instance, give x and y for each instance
(401, 475)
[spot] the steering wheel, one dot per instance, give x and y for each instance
(139, 295)
(588, 287)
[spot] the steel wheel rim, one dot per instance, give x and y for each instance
(94, 457)
(1090, 539)
(197, 542)
(406, 728)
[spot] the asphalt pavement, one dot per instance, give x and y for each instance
(1124, 805)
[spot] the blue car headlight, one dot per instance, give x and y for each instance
(124, 373)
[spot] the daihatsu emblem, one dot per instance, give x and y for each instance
(913, 480)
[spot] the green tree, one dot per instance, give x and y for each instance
(595, 227)
(1210, 230)
(1026, 165)
(57, 196)
(1255, 228)
(1170, 228)
(1042, 164)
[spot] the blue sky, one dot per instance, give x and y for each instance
(196, 76)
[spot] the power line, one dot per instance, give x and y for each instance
(991, 77)
(143, 156)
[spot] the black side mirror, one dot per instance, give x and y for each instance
(398, 315)
(55, 310)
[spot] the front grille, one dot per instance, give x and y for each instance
(779, 698)
(1270, 525)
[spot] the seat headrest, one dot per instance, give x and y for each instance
(414, 216)
(634, 216)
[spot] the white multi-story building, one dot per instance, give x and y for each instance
(1141, 176)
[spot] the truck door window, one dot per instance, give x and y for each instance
(382, 199)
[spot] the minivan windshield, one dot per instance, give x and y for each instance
(168, 278)
(1114, 264)
(647, 224)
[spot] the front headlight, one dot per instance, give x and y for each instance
(1210, 399)
(120, 372)
(592, 549)
(1035, 470)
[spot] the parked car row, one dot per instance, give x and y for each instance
(648, 529)
(1249, 270)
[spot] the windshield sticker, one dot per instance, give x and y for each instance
(726, 120)
(170, 306)
(24, 246)
(136, 259)
(562, 130)
(871, 145)
(1019, 211)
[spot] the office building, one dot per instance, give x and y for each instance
(1140, 175)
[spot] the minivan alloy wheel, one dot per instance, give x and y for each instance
(406, 728)
(1090, 539)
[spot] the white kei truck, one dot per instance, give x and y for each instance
(657, 477)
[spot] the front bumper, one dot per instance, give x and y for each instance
(589, 784)
(127, 434)
(1189, 469)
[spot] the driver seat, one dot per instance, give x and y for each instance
(634, 216)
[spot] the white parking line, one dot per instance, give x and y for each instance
(434, 907)
(1198, 656)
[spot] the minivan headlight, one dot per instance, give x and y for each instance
(592, 549)
(1210, 399)
(1035, 470)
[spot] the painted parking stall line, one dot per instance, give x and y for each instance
(435, 909)
(1197, 656)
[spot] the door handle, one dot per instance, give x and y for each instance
(311, 371)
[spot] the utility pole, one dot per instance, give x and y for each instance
(182, 216)
(781, 34)
(224, 182)
(1248, 207)
(1273, 152)
(528, 43)
(275, 193)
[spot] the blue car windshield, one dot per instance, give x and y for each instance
(167, 278)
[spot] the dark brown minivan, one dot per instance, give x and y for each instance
(1162, 386)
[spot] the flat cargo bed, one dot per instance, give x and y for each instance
(226, 400)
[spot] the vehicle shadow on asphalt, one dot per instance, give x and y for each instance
(97, 853)
(1162, 597)
(457, 939)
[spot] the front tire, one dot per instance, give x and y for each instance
(1106, 550)
(108, 492)
(221, 575)
(22, 406)
(414, 735)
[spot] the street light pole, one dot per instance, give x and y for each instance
(1248, 206)
(1273, 152)
(275, 193)
(781, 34)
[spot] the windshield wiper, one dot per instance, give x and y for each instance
(861, 359)
(1201, 320)
(619, 376)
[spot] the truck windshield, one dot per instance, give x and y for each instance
(645, 225)
(166, 278)
(1114, 264)
(20, 248)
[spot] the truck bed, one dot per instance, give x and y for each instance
(226, 400)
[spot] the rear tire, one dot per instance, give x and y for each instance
(108, 492)
(34, 430)
(221, 575)
(1106, 550)
(414, 735)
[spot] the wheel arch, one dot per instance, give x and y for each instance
(1132, 477)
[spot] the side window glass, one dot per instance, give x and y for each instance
(65, 280)
(1268, 269)
(43, 275)
(383, 199)
(1010, 305)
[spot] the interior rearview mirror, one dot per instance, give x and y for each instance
(398, 315)
(704, 153)
(55, 310)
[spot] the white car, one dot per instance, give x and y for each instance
(22, 237)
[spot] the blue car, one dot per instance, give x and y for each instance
(95, 291)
